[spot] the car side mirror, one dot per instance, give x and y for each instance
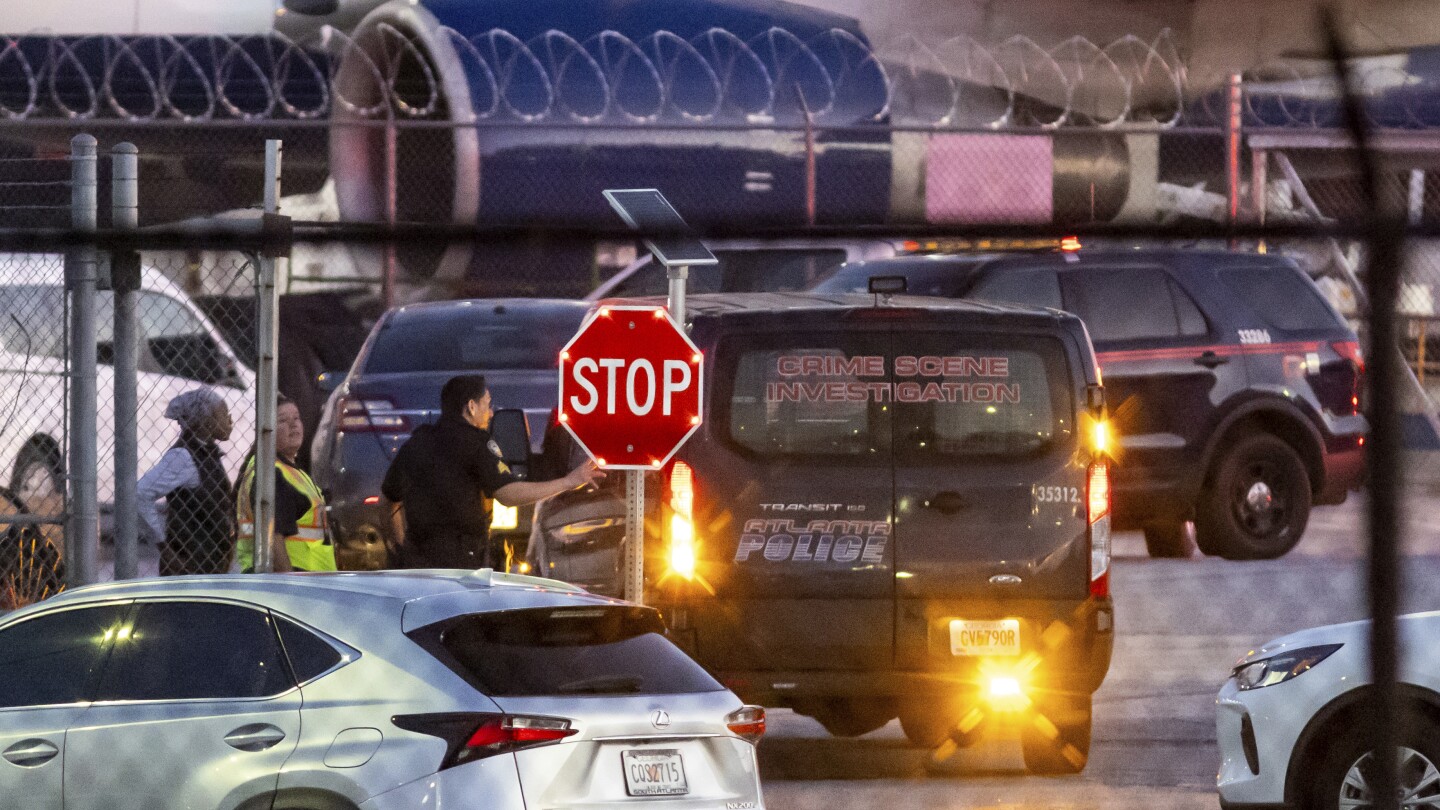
(330, 380)
(512, 433)
(1095, 398)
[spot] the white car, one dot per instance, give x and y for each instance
(180, 350)
(415, 690)
(1291, 720)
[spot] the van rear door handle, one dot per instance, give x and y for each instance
(947, 503)
(30, 753)
(1210, 359)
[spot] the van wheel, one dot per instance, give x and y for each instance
(930, 724)
(1055, 740)
(852, 718)
(1256, 501)
(1170, 538)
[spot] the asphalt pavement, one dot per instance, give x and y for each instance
(1180, 626)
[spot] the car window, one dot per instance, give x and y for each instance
(473, 339)
(779, 270)
(809, 395)
(1031, 286)
(309, 655)
(1281, 296)
(1131, 303)
(32, 320)
(566, 651)
(53, 659)
(973, 395)
(193, 651)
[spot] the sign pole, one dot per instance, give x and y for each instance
(635, 536)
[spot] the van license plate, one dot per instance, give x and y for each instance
(654, 773)
(985, 638)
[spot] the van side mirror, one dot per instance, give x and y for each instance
(1095, 398)
(330, 380)
(512, 433)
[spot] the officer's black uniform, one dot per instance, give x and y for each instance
(444, 475)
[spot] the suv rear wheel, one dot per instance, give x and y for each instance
(1170, 538)
(1056, 739)
(1256, 501)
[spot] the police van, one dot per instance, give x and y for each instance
(896, 507)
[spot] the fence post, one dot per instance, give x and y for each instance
(125, 281)
(1233, 114)
(81, 277)
(267, 339)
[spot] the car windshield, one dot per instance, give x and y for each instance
(474, 339)
(567, 651)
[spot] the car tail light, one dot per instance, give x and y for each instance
(681, 497)
(476, 736)
(1098, 496)
(748, 723)
(370, 416)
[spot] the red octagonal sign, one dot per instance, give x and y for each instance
(630, 387)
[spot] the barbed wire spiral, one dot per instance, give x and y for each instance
(715, 77)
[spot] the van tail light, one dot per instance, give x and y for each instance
(370, 416)
(748, 723)
(680, 495)
(477, 736)
(1098, 498)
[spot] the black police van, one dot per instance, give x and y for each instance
(896, 507)
(1234, 386)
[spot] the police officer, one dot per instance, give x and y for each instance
(300, 540)
(446, 474)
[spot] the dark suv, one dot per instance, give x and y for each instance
(892, 509)
(1233, 385)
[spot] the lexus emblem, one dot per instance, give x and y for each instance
(660, 719)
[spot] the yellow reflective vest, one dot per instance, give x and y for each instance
(309, 548)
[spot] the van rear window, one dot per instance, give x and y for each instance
(867, 396)
(566, 651)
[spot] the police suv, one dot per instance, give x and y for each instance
(896, 507)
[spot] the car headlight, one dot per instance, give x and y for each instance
(1282, 667)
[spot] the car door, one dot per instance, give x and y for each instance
(989, 489)
(796, 497)
(1165, 367)
(195, 708)
(48, 665)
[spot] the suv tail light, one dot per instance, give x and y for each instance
(476, 736)
(747, 722)
(1350, 350)
(1098, 498)
(680, 495)
(370, 416)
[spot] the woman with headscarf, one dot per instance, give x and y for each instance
(198, 532)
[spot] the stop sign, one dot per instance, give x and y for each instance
(630, 383)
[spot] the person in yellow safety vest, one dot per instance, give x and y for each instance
(299, 507)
